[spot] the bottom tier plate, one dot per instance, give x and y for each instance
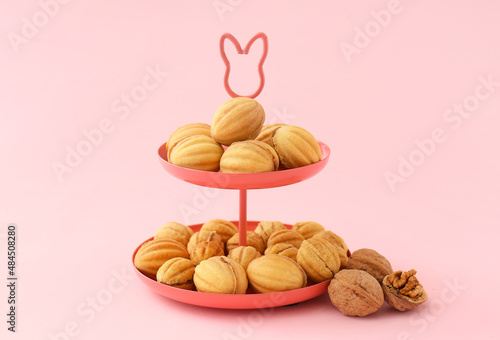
(250, 300)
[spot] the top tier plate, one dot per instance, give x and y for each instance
(261, 180)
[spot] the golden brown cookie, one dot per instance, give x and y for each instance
(187, 130)
(319, 259)
(267, 132)
(238, 119)
(308, 229)
(177, 272)
(176, 231)
(275, 273)
(285, 236)
(266, 228)
(333, 238)
(220, 275)
(253, 239)
(205, 250)
(249, 156)
(204, 235)
(244, 255)
(197, 152)
(223, 228)
(283, 249)
(296, 147)
(152, 254)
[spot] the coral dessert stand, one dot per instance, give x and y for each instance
(241, 182)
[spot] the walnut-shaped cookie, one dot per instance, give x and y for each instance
(176, 231)
(220, 275)
(177, 272)
(244, 255)
(205, 250)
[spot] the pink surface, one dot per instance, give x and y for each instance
(406, 95)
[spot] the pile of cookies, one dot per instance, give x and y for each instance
(275, 259)
(250, 146)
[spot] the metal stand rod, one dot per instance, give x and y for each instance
(243, 217)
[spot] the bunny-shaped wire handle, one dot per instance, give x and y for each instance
(241, 51)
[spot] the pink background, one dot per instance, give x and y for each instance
(77, 232)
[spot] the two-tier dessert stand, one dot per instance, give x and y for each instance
(241, 182)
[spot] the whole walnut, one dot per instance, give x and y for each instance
(355, 292)
(370, 261)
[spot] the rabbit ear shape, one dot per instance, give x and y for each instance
(237, 45)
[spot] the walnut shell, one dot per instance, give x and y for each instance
(236, 120)
(267, 132)
(177, 272)
(334, 239)
(220, 275)
(176, 231)
(253, 239)
(283, 249)
(285, 236)
(244, 255)
(371, 262)
(296, 147)
(249, 156)
(224, 228)
(355, 293)
(205, 250)
(319, 259)
(204, 235)
(275, 273)
(197, 152)
(266, 228)
(308, 229)
(184, 131)
(152, 254)
(403, 291)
